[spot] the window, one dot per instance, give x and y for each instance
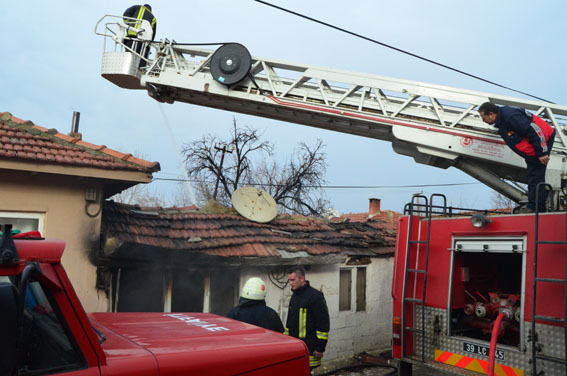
(24, 222)
(187, 291)
(360, 289)
(224, 291)
(345, 289)
(49, 346)
(345, 286)
(140, 290)
(156, 290)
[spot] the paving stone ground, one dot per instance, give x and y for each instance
(383, 371)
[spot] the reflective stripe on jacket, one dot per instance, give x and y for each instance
(308, 319)
(524, 133)
(139, 12)
(314, 362)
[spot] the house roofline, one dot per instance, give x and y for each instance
(76, 141)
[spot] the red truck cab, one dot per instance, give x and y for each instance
(45, 330)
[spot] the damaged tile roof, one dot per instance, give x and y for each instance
(231, 235)
(24, 141)
(385, 220)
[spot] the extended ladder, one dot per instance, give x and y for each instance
(436, 125)
(563, 281)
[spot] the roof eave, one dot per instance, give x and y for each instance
(117, 252)
(130, 176)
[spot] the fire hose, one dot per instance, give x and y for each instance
(493, 341)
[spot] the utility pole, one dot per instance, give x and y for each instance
(224, 150)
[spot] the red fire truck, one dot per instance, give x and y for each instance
(454, 275)
(45, 330)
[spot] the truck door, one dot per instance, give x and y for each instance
(50, 343)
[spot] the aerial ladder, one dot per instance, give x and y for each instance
(436, 125)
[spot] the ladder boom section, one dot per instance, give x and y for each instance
(435, 124)
(357, 98)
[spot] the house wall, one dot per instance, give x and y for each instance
(61, 200)
(351, 332)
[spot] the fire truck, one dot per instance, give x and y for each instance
(459, 276)
(45, 330)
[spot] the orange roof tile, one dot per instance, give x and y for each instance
(25, 141)
(231, 235)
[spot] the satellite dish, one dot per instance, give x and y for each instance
(254, 204)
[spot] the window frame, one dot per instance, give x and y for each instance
(354, 301)
(342, 307)
(26, 215)
(358, 303)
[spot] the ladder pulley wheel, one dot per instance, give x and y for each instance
(230, 63)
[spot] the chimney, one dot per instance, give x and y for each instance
(75, 125)
(374, 207)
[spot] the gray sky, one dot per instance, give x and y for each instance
(51, 67)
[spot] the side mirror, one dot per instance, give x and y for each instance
(8, 328)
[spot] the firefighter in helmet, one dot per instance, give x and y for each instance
(252, 307)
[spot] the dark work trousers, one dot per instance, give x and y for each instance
(536, 174)
(137, 46)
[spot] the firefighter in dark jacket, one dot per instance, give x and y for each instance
(529, 136)
(252, 307)
(307, 316)
(133, 17)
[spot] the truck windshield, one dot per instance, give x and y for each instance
(47, 345)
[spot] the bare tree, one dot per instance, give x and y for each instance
(226, 165)
(140, 194)
(296, 185)
(147, 194)
(499, 201)
(144, 195)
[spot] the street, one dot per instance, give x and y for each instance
(382, 371)
(376, 363)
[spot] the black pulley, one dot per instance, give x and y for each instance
(230, 63)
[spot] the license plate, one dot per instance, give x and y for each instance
(482, 350)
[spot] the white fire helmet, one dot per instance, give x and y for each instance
(254, 289)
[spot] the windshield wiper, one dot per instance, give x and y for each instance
(100, 334)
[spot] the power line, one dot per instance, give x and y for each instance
(329, 186)
(398, 49)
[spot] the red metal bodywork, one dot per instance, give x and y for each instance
(198, 343)
(551, 262)
(147, 344)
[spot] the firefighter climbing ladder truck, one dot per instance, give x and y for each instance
(437, 126)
